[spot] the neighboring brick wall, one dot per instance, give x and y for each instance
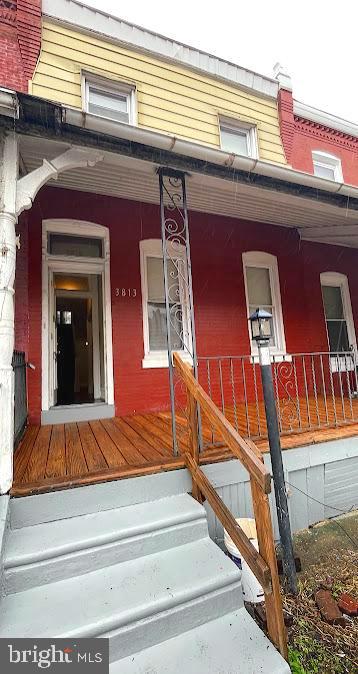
(217, 244)
(285, 111)
(309, 136)
(300, 137)
(20, 42)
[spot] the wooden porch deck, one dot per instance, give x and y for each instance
(74, 454)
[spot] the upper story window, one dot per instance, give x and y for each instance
(154, 306)
(327, 166)
(238, 137)
(114, 101)
(262, 287)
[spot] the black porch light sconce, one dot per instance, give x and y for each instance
(261, 326)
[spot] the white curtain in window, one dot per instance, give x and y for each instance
(156, 305)
(259, 293)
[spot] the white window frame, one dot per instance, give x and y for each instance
(338, 280)
(109, 86)
(250, 130)
(267, 261)
(326, 160)
(153, 248)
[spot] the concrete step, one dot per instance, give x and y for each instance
(30, 510)
(231, 644)
(52, 551)
(142, 601)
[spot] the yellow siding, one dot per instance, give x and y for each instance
(170, 98)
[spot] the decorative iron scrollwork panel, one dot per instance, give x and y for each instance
(178, 289)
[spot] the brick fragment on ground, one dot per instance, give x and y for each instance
(328, 608)
(348, 605)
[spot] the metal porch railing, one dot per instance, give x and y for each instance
(313, 391)
(20, 395)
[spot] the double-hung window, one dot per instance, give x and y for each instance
(238, 137)
(262, 287)
(154, 305)
(339, 320)
(338, 312)
(327, 166)
(112, 100)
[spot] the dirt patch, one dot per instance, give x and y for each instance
(328, 550)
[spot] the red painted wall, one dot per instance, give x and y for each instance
(217, 244)
(20, 41)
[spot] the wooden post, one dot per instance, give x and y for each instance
(273, 601)
(194, 440)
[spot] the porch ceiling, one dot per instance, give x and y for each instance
(125, 177)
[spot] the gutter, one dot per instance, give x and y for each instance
(8, 103)
(161, 141)
(30, 115)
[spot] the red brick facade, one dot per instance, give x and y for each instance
(217, 244)
(285, 111)
(20, 41)
(309, 136)
(300, 137)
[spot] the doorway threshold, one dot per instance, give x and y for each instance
(64, 414)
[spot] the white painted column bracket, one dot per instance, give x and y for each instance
(29, 185)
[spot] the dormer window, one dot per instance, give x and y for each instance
(112, 100)
(238, 137)
(327, 166)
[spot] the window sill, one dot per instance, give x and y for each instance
(160, 359)
(277, 357)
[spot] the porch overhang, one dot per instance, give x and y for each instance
(218, 183)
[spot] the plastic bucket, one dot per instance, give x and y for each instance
(251, 588)
(248, 526)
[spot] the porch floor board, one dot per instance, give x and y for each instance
(66, 455)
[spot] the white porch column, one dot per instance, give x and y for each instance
(8, 219)
(16, 195)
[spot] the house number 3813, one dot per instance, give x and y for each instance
(126, 292)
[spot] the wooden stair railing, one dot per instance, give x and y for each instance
(263, 563)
